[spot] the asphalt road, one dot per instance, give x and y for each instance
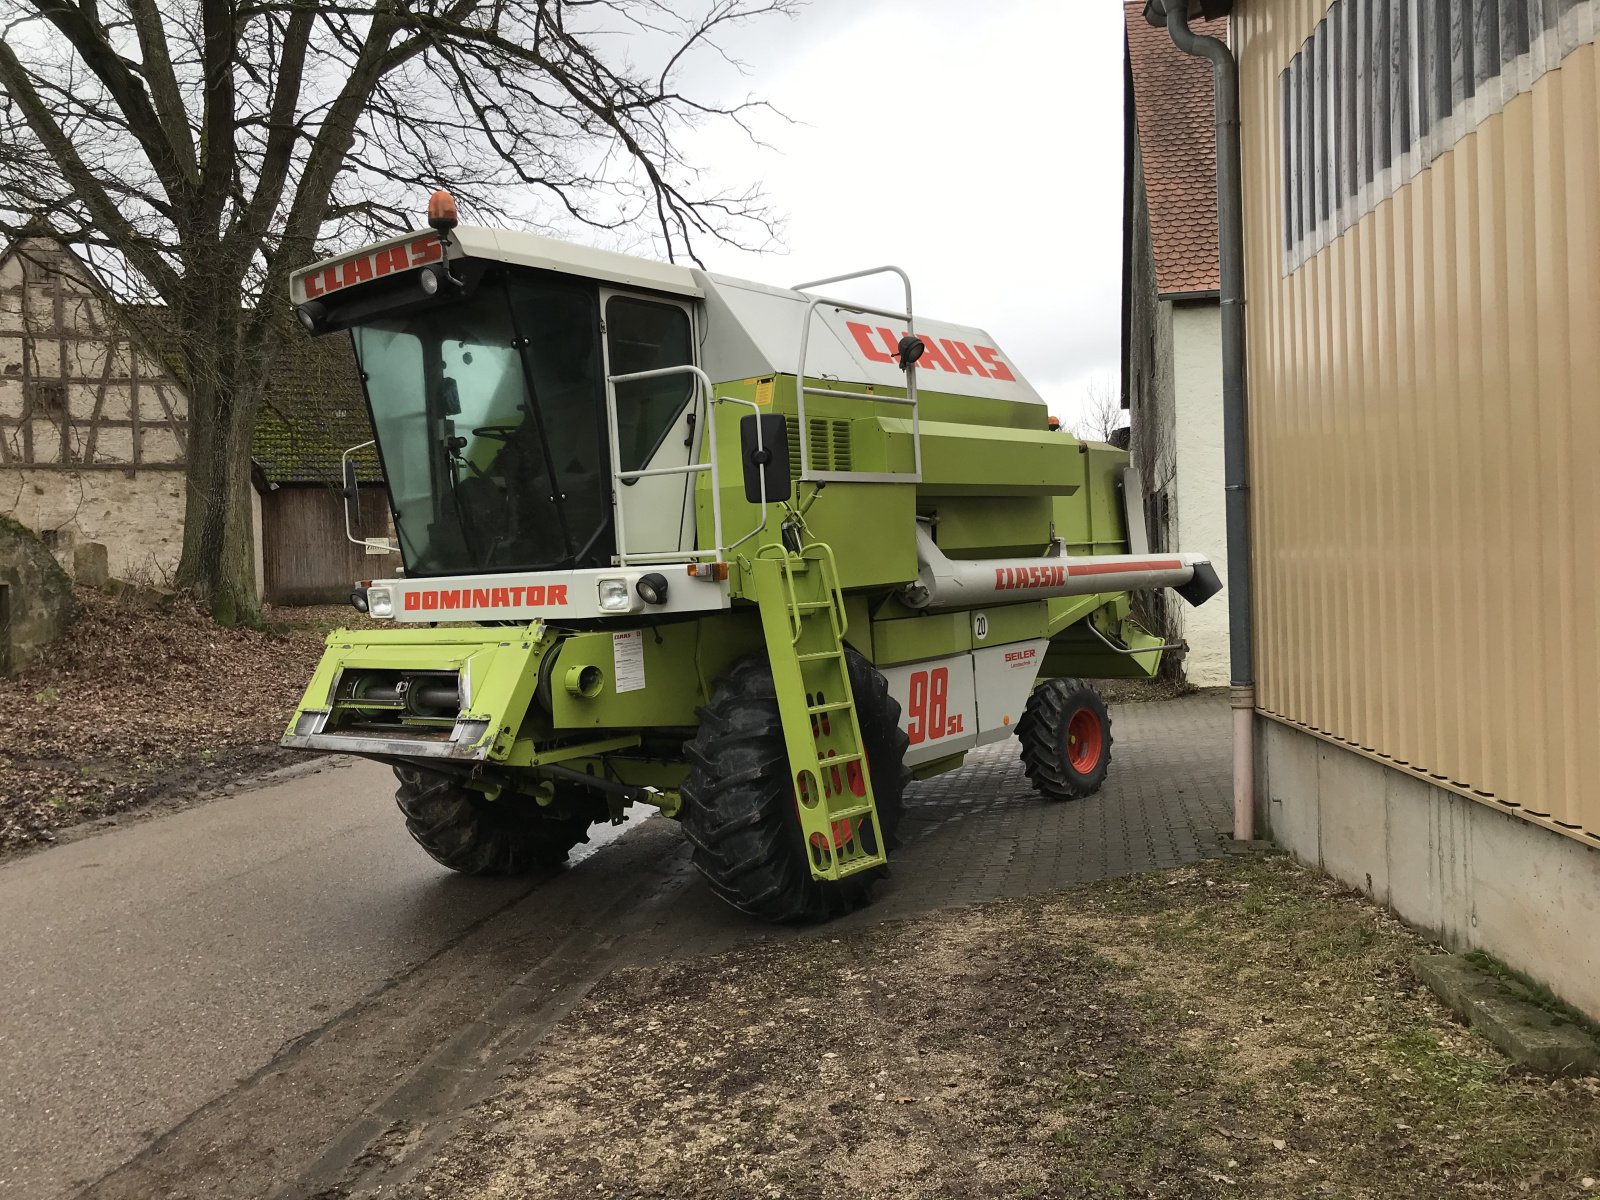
(151, 969)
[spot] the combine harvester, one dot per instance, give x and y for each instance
(754, 556)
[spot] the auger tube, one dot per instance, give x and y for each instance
(944, 582)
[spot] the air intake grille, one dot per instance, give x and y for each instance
(828, 439)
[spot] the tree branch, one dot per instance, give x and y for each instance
(89, 39)
(163, 82)
(88, 186)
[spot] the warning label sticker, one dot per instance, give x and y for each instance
(627, 656)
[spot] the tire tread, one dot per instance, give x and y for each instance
(738, 809)
(1042, 731)
(478, 836)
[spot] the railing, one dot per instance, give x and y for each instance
(703, 401)
(352, 486)
(910, 398)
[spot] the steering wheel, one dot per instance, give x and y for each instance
(501, 433)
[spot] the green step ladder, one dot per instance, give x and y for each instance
(803, 619)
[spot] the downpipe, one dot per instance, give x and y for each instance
(1235, 433)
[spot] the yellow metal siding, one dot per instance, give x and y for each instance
(1425, 446)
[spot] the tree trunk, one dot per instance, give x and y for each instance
(219, 536)
(219, 549)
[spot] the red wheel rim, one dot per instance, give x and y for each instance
(1085, 738)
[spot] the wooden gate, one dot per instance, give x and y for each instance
(307, 558)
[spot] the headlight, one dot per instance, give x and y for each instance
(614, 596)
(380, 602)
(652, 588)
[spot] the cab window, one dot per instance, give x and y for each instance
(644, 335)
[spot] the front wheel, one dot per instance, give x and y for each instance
(739, 804)
(466, 831)
(1066, 739)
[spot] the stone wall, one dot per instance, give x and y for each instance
(35, 597)
(137, 516)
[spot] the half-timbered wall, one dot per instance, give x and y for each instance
(92, 426)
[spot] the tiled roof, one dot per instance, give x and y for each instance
(313, 411)
(1173, 105)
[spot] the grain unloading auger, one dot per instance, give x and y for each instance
(754, 556)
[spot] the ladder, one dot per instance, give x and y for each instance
(803, 620)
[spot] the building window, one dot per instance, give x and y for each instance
(1384, 87)
(49, 397)
(1157, 517)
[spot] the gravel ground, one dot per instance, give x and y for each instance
(1240, 1028)
(144, 698)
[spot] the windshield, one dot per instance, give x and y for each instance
(487, 412)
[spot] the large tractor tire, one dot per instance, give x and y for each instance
(467, 832)
(739, 804)
(1066, 739)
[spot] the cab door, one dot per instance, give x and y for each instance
(656, 421)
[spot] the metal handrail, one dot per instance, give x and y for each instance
(703, 403)
(1116, 649)
(802, 391)
(370, 545)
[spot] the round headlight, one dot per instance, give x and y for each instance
(652, 588)
(429, 281)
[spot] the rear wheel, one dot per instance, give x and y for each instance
(1066, 739)
(467, 832)
(739, 804)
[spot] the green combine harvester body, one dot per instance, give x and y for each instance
(751, 556)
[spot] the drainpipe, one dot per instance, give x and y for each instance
(1235, 439)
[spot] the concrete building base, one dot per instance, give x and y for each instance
(1474, 877)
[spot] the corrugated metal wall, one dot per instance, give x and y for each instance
(1424, 366)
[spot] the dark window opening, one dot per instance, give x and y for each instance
(1376, 79)
(49, 396)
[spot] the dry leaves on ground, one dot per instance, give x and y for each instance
(146, 696)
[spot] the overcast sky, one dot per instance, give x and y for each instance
(976, 143)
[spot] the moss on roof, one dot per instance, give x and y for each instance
(313, 411)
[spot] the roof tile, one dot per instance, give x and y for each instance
(313, 411)
(1173, 107)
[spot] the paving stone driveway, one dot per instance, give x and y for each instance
(982, 832)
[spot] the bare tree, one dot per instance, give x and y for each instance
(199, 150)
(1154, 456)
(1102, 411)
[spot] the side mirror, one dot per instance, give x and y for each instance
(449, 397)
(352, 498)
(764, 450)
